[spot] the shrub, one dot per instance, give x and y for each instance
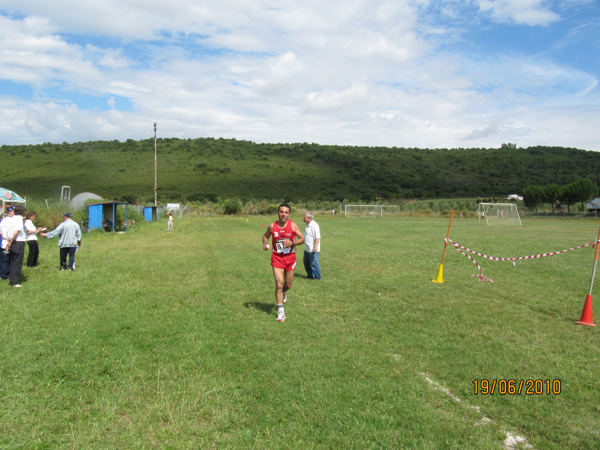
(128, 198)
(232, 206)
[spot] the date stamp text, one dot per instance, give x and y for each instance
(516, 387)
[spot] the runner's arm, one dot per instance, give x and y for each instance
(299, 236)
(266, 236)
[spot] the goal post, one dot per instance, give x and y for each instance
(390, 211)
(499, 214)
(372, 211)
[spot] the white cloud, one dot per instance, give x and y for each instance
(367, 72)
(527, 12)
(329, 100)
(30, 56)
(280, 75)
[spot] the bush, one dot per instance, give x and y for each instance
(128, 198)
(232, 206)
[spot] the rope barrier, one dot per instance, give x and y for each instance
(462, 249)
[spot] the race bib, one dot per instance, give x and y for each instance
(281, 248)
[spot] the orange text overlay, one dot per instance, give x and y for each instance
(516, 387)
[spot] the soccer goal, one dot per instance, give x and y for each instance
(372, 211)
(499, 214)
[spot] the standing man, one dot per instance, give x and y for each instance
(312, 247)
(286, 235)
(69, 238)
(15, 235)
(4, 231)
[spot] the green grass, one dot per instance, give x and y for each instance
(170, 341)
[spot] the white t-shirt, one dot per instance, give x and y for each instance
(3, 231)
(29, 226)
(10, 225)
(311, 234)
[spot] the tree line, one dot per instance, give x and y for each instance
(195, 170)
(579, 191)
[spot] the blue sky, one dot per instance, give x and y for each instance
(405, 73)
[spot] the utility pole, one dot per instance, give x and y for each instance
(155, 179)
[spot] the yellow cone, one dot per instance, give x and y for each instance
(440, 275)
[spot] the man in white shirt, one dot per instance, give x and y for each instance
(312, 247)
(5, 255)
(15, 235)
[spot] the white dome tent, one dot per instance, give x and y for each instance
(78, 202)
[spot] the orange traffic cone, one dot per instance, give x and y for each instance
(587, 316)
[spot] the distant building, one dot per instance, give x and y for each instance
(594, 205)
(514, 197)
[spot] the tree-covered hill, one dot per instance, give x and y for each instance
(205, 168)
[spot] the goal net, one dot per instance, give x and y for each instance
(372, 211)
(499, 214)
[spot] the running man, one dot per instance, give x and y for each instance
(286, 236)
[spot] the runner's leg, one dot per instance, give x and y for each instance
(279, 275)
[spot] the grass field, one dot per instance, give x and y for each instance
(170, 341)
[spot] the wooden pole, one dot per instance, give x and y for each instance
(447, 236)
(587, 315)
(155, 178)
(595, 263)
(440, 275)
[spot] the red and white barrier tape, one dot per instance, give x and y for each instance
(462, 249)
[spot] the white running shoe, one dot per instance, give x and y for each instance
(284, 297)
(280, 316)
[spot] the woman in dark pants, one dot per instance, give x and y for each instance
(32, 231)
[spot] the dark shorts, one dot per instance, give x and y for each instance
(287, 262)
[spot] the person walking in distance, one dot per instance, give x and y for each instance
(286, 235)
(69, 239)
(312, 247)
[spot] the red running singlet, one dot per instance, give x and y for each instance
(281, 234)
(283, 257)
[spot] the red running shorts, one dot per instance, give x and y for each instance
(287, 262)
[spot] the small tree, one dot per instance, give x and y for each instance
(128, 198)
(532, 196)
(232, 206)
(583, 190)
(553, 194)
(569, 195)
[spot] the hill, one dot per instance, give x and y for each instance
(207, 168)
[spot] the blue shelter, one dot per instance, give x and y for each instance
(106, 215)
(153, 213)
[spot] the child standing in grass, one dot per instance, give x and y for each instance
(169, 222)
